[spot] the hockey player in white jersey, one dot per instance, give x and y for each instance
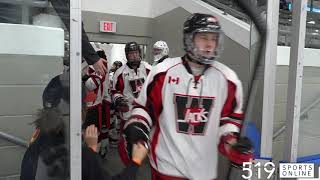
(160, 52)
(127, 83)
(98, 103)
(190, 108)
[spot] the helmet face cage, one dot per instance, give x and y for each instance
(160, 49)
(202, 23)
(131, 47)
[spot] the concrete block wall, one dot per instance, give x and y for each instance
(22, 81)
(309, 140)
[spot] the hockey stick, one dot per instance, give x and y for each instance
(260, 23)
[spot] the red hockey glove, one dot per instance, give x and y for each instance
(237, 153)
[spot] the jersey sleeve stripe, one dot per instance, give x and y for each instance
(137, 119)
(91, 84)
(154, 96)
(139, 112)
(228, 128)
(225, 120)
(120, 84)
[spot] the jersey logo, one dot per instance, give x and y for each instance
(136, 86)
(173, 80)
(192, 113)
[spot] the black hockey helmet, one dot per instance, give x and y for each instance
(198, 23)
(117, 63)
(102, 54)
(130, 47)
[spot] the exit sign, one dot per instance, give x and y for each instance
(108, 26)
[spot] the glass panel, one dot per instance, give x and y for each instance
(309, 125)
(309, 130)
(34, 90)
(230, 7)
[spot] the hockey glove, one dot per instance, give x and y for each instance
(121, 104)
(133, 133)
(239, 152)
(136, 132)
(85, 78)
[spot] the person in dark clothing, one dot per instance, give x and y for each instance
(62, 7)
(47, 157)
(93, 161)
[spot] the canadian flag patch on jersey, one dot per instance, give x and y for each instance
(192, 113)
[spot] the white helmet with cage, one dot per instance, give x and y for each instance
(160, 49)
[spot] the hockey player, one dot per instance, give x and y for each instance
(115, 116)
(127, 83)
(98, 103)
(190, 108)
(115, 66)
(128, 80)
(160, 52)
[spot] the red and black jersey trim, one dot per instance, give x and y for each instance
(120, 84)
(154, 96)
(231, 102)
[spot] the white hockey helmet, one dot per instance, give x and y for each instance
(160, 49)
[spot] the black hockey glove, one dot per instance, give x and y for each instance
(85, 78)
(136, 132)
(121, 104)
(240, 152)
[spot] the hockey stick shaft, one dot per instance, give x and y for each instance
(260, 23)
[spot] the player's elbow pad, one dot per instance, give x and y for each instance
(136, 132)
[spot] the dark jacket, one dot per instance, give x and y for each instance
(48, 159)
(62, 8)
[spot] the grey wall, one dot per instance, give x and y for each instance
(129, 28)
(22, 80)
(168, 27)
(309, 140)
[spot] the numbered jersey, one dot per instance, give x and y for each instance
(128, 83)
(186, 116)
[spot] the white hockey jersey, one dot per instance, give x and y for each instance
(97, 86)
(187, 115)
(128, 83)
